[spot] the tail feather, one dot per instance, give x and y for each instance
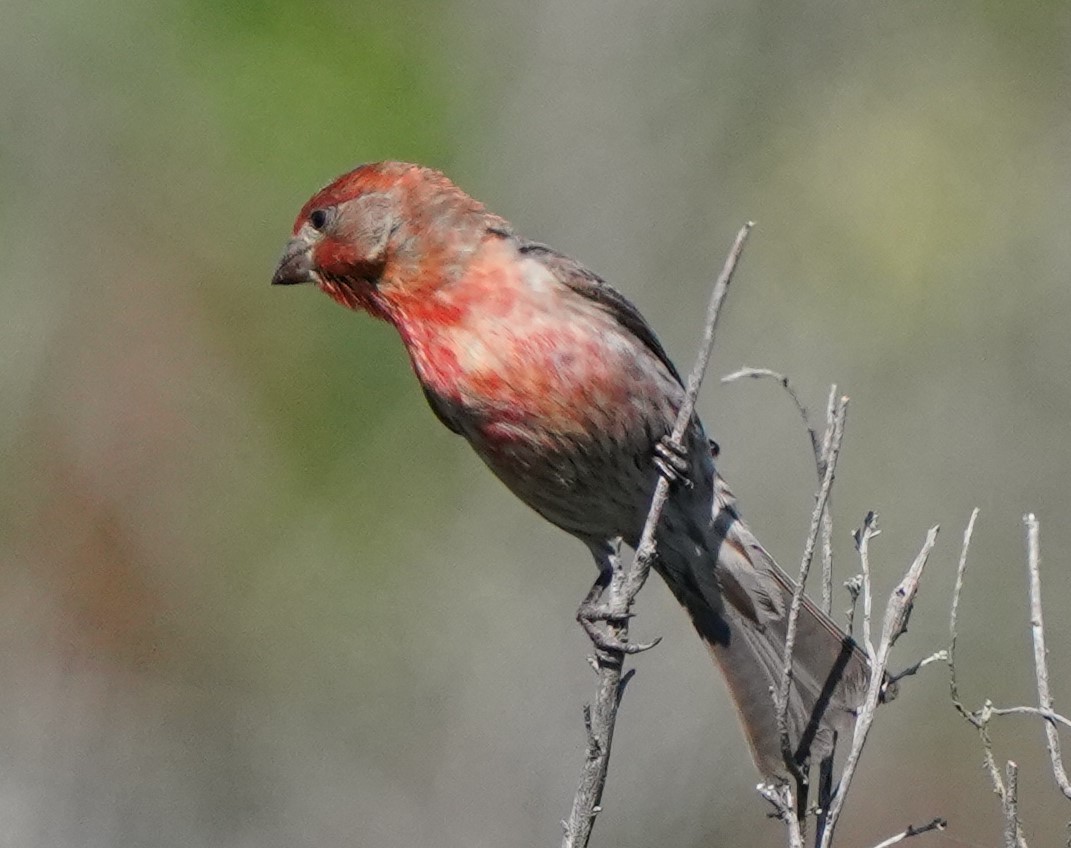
(830, 675)
(820, 708)
(747, 640)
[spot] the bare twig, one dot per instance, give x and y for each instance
(980, 719)
(624, 584)
(645, 550)
(862, 538)
(854, 587)
(827, 515)
(822, 464)
(915, 668)
(953, 633)
(747, 372)
(1041, 662)
(782, 695)
(1006, 786)
(1048, 715)
(913, 830)
(897, 613)
(1012, 828)
(820, 449)
(780, 797)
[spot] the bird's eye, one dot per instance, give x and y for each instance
(318, 218)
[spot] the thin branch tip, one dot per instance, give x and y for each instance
(781, 700)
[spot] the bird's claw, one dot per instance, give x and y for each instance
(603, 641)
(671, 458)
(594, 612)
(590, 615)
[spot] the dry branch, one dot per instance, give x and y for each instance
(862, 543)
(953, 616)
(793, 809)
(897, 613)
(1013, 836)
(827, 515)
(619, 595)
(1041, 660)
(781, 697)
(820, 448)
(1006, 786)
(746, 372)
(780, 797)
(625, 581)
(912, 830)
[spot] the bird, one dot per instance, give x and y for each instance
(564, 391)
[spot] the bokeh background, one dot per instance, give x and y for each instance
(252, 594)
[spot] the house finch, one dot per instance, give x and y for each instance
(565, 392)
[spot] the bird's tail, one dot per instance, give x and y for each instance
(740, 609)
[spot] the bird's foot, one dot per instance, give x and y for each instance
(672, 461)
(592, 614)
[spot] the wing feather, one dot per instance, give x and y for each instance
(590, 285)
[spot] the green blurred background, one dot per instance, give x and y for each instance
(252, 594)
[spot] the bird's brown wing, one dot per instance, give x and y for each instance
(590, 285)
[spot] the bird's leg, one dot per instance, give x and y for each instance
(671, 457)
(596, 617)
(591, 608)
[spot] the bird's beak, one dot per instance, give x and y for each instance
(296, 265)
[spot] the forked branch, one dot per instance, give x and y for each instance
(1005, 785)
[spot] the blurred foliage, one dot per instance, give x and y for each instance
(253, 594)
